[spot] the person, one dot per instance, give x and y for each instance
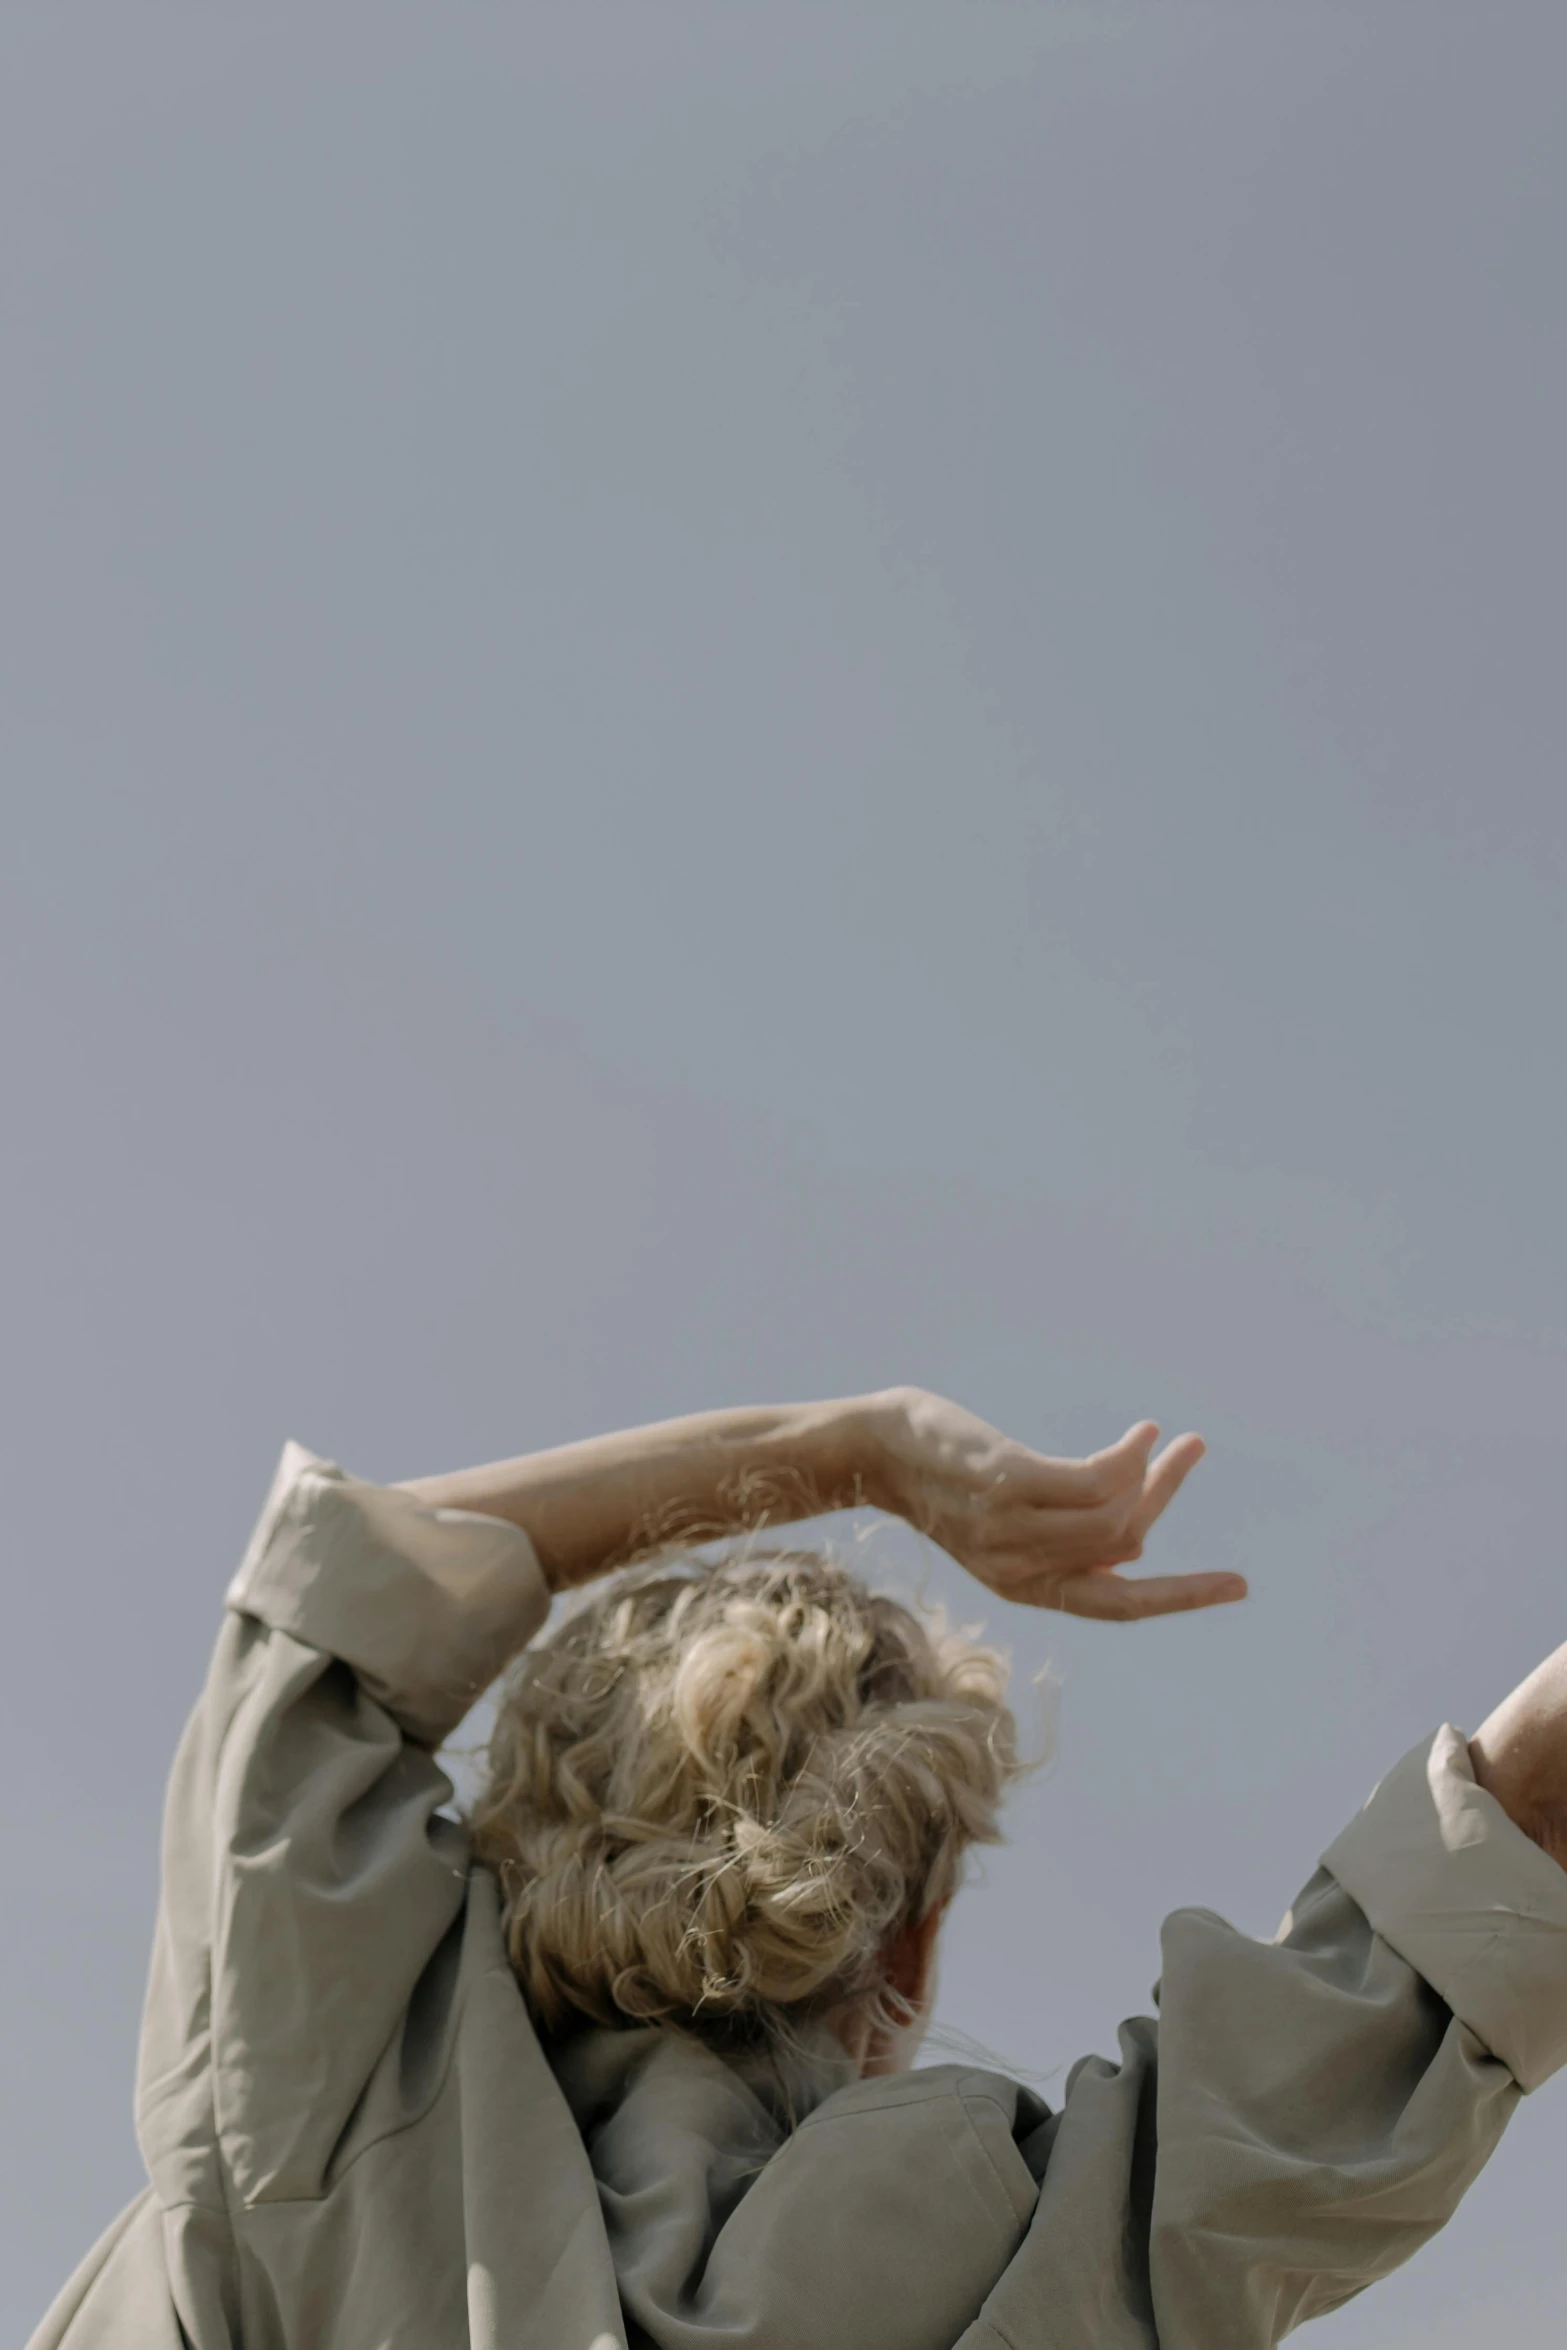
(624, 2056)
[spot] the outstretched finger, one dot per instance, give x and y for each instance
(1116, 1599)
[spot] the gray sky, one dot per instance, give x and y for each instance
(707, 703)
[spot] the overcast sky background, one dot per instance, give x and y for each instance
(714, 703)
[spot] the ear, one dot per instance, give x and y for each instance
(909, 1959)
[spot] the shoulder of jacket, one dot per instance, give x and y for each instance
(965, 2085)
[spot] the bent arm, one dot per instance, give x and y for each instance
(1325, 2101)
(1307, 2112)
(310, 1872)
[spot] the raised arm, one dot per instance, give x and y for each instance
(1041, 1531)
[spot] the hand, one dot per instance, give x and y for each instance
(1520, 1755)
(1045, 1532)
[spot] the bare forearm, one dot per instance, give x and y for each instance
(1520, 1755)
(589, 1507)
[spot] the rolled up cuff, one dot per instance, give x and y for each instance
(426, 1605)
(1467, 1900)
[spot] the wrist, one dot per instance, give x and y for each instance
(875, 1441)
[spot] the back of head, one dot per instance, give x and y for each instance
(716, 1792)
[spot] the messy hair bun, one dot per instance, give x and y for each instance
(715, 1792)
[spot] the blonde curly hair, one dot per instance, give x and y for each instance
(715, 1792)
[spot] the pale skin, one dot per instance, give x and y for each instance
(1035, 1530)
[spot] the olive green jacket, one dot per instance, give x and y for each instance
(354, 2138)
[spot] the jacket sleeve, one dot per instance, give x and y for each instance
(1307, 2111)
(309, 1873)
(1323, 2101)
